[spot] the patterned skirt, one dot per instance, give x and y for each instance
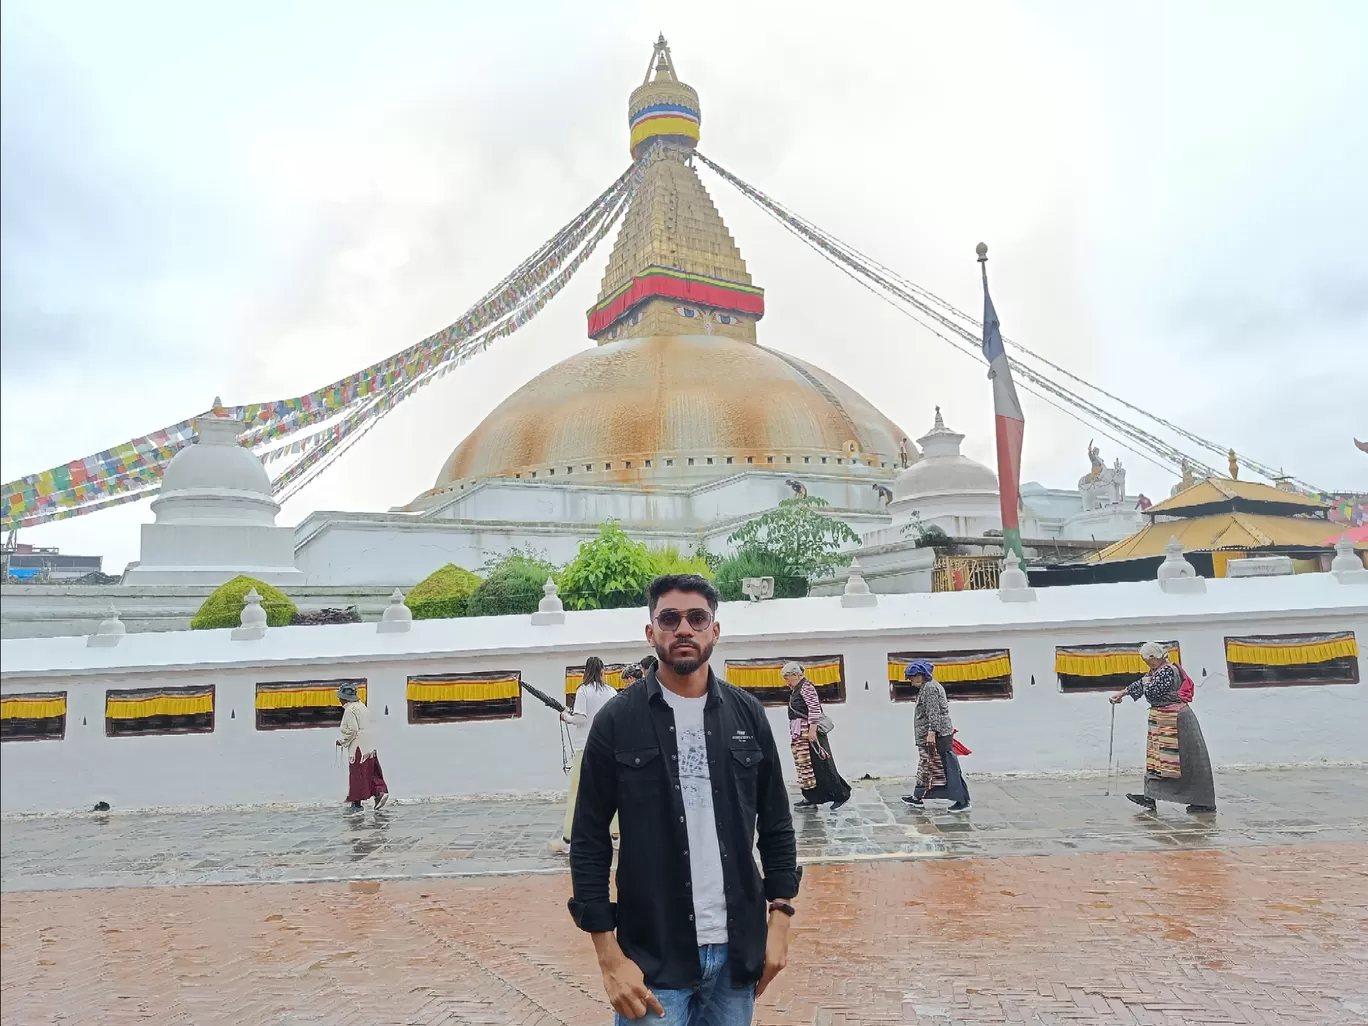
(802, 759)
(938, 772)
(930, 767)
(818, 777)
(1162, 758)
(1193, 785)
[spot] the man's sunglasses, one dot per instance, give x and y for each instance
(670, 619)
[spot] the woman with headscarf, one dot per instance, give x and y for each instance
(938, 768)
(1177, 766)
(817, 774)
(591, 696)
(364, 777)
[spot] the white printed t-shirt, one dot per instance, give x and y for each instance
(695, 785)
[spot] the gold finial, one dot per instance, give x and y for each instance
(661, 63)
(1234, 465)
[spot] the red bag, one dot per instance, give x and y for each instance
(1187, 690)
(956, 747)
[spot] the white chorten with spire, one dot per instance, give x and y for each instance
(946, 488)
(215, 516)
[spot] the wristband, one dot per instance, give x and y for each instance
(782, 906)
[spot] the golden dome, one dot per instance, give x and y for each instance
(676, 409)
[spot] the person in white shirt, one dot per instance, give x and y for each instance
(364, 777)
(591, 696)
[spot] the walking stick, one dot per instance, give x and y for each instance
(1111, 741)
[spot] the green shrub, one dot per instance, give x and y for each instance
(667, 560)
(224, 607)
(442, 594)
(610, 572)
(513, 583)
(757, 563)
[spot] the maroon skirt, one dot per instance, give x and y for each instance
(365, 778)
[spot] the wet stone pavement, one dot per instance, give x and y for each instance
(433, 840)
(454, 913)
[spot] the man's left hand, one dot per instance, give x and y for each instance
(776, 950)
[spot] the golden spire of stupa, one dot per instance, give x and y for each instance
(674, 269)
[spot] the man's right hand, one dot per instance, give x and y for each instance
(622, 980)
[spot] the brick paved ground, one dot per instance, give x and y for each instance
(1256, 915)
(1258, 935)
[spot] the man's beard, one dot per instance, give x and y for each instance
(685, 661)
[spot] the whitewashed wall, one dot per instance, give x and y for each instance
(1037, 730)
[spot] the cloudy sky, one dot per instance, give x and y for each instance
(252, 199)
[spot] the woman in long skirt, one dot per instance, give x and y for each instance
(365, 779)
(938, 768)
(817, 774)
(1177, 766)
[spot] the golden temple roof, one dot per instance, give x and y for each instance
(1222, 493)
(1223, 531)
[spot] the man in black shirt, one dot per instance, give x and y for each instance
(689, 764)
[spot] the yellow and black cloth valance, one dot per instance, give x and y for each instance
(1290, 659)
(186, 710)
(284, 705)
(39, 716)
(448, 697)
(762, 677)
(574, 677)
(1105, 667)
(965, 674)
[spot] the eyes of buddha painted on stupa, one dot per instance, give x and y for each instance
(630, 321)
(695, 313)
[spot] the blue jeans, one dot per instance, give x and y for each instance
(714, 1002)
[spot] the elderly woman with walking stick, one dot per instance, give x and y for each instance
(1177, 766)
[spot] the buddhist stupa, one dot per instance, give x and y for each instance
(677, 390)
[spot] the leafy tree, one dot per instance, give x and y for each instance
(513, 584)
(223, 608)
(610, 572)
(805, 540)
(667, 560)
(442, 594)
(756, 563)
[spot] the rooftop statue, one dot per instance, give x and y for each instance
(1102, 485)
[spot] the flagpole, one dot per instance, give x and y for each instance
(1008, 420)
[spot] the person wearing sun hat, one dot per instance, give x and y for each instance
(365, 778)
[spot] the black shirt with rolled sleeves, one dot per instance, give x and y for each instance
(630, 767)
